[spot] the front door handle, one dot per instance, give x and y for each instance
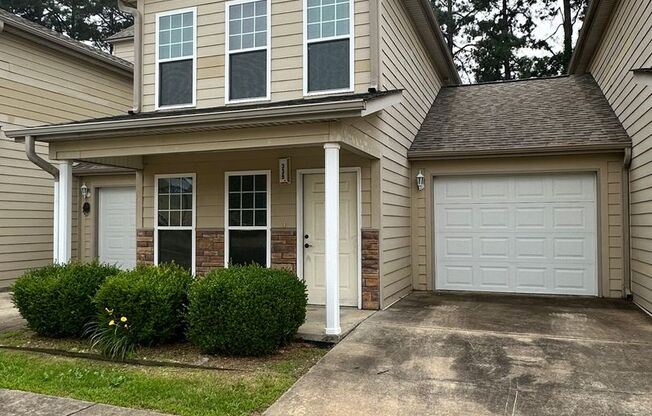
(307, 245)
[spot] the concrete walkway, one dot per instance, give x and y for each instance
(451, 354)
(9, 316)
(20, 403)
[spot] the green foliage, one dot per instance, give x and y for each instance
(245, 310)
(114, 339)
(56, 300)
(150, 299)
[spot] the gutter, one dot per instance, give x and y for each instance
(30, 151)
(441, 42)
(307, 112)
(435, 155)
(138, 46)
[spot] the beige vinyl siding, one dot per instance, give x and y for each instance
(406, 65)
(609, 174)
(124, 49)
(37, 86)
(627, 45)
(286, 49)
(210, 169)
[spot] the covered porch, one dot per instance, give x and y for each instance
(299, 194)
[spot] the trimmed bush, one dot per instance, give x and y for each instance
(245, 310)
(144, 306)
(57, 300)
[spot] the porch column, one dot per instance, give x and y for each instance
(332, 237)
(63, 213)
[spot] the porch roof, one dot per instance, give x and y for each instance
(305, 110)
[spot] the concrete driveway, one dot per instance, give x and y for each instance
(453, 354)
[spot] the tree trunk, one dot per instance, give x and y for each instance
(505, 23)
(451, 29)
(568, 33)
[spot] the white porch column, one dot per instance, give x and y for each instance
(332, 237)
(55, 223)
(63, 212)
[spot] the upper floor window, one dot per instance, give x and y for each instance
(329, 46)
(176, 58)
(247, 50)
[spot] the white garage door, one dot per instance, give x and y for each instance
(519, 233)
(117, 227)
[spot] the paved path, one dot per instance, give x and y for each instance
(9, 316)
(20, 403)
(477, 355)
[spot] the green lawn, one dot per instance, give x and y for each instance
(171, 390)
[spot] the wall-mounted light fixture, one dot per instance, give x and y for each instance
(85, 192)
(421, 180)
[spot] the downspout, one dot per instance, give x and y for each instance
(30, 151)
(375, 10)
(138, 53)
(627, 160)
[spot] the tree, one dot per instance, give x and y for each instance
(457, 18)
(83, 20)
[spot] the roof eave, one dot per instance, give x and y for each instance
(533, 151)
(33, 35)
(597, 18)
(426, 23)
(250, 117)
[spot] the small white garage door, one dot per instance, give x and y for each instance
(117, 227)
(518, 233)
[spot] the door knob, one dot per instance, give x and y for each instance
(306, 236)
(307, 245)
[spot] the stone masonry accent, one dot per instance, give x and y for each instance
(370, 269)
(145, 246)
(284, 249)
(209, 249)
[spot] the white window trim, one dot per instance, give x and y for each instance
(350, 36)
(194, 214)
(227, 55)
(194, 60)
(268, 227)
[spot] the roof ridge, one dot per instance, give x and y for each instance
(508, 81)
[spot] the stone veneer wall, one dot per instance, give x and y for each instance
(145, 246)
(284, 249)
(209, 249)
(370, 269)
(210, 255)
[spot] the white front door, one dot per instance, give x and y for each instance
(313, 238)
(116, 242)
(518, 233)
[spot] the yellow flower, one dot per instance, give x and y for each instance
(111, 322)
(123, 319)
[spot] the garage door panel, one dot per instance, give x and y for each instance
(531, 241)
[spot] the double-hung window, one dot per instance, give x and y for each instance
(247, 50)
(247, 218)
(175, 220)
(176, 40)
(329, 46)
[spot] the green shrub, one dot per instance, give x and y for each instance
(56, 300)
(145, 306)
(245, 310)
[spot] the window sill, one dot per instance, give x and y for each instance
(329, 92)
(175, 107)
(246, 101)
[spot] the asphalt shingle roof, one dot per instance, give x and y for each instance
(126, 33)
(56, 37)
(544, 114)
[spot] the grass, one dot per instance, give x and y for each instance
(165, 389)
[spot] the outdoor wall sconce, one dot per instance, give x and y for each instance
(85, 192)
(421, 180)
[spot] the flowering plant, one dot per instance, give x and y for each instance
(112, 335)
